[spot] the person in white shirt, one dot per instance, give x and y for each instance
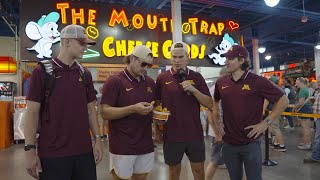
(216, 141)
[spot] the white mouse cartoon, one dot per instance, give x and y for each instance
(46, 32)
(222, 48)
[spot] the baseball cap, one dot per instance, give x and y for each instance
(179, 45)
(74, 31)
(274, 79)
(143, 52)
(236, 51)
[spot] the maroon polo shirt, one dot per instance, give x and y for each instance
(130, 135)
(242, 104)
(184, 123)
(66, 132)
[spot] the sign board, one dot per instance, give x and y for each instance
(117, 29)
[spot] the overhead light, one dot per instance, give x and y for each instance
(271, 3)
(262, 49)
(317, 46)
(268, 57)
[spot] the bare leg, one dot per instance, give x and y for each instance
(174, 172)
(198, 170)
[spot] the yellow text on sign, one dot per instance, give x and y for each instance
(112, 48)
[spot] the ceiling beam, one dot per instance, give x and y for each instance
(163, 3)
(262, 8)
(305, 27)
(207, 6)
(266, 17)
(135, 2)
(9, 25)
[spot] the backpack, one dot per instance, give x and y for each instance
(49, 85)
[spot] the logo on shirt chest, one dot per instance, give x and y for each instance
(129, 89)
(149, 90)
(168, 82)
(223, 87)
(246, 87)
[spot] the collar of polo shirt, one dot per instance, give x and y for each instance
(174, 72)
(243, 77)
(129, 76)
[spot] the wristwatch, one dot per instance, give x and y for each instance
(28, 147)
(96, 137)
(267, 121)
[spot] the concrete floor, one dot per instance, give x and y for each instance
(290, 165)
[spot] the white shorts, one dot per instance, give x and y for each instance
(126, 165)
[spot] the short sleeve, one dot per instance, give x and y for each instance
(216, 95)
(267, 90)
(110, 91)
(91, 93)
(158, 87)
(203, 87)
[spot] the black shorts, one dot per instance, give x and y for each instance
(174, 151)
(79, 167)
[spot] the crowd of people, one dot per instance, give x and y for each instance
(61, 109)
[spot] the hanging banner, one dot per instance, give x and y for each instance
(117, 29)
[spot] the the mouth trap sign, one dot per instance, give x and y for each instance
(117, 29)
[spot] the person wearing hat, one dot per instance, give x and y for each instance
(64, 149)
(182, 91)
(242, 94)
(126, 104)
(278, 143)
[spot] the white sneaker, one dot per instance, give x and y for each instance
(305, 147)
(288, 127)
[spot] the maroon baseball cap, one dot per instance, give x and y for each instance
(236, 51)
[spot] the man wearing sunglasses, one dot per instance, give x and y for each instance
(181, 91)
(64, 149)
(126, 104)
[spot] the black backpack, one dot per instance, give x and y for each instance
(49, 85)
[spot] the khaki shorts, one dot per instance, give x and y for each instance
(126, 165)
(275, 124)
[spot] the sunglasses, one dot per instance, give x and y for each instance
(144, 64)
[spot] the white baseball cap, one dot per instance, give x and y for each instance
(179, 45)
(143, 52)
(74, 31)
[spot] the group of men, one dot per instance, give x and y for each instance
(66, 113)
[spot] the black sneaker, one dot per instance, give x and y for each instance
(274, 146)
(280, 148)
(311, 161)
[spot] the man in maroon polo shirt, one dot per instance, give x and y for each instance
(64, 150)
(181, 91)
(242, 94)
(126, 105)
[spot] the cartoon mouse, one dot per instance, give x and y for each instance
(222, 48)
(46, 32)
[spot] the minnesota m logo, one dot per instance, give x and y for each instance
(246, 87)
